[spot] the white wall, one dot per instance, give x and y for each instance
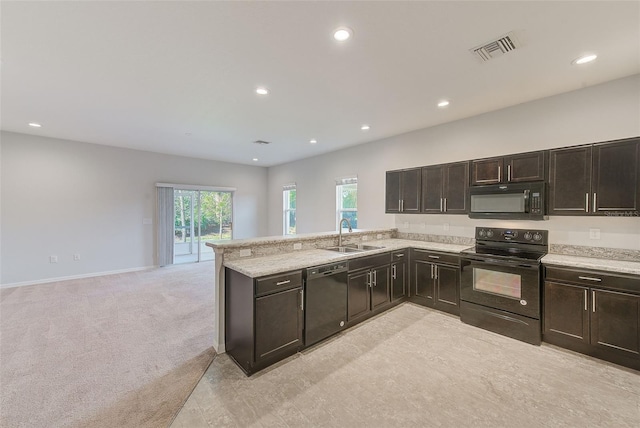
(62, 198)
(598, 113)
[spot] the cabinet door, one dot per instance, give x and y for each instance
(570, 181)
(392, 195)
(380, 287)
(398, 280)
(486, 171)
(615, 322)
(447, 282)
(566, 314)
(423, 286)
(432, 184)
(278, 323)
(616, 180)
(456, 184)
(410, 190)
(358, 294)
(525, 167)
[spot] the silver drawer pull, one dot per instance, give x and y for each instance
(283, 282)
(399, 255)
(434, 257)
(589, 278)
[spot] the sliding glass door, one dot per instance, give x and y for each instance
(201, 216)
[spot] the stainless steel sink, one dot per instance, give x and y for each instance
(353, 248)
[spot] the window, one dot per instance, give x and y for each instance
(289, 209)
(347, 200)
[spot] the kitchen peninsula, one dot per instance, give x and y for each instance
(261, 294)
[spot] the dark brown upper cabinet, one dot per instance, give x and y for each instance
(403, 191)
(518, 168)
(444, 188)
(599, 179)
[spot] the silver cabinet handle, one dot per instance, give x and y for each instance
(440, 204)
(436, 270)
(283, 282)
(590, 278)
(445, 204)
(434, 257)
(399, 204)
(402, 205)
(393, 271)
(375, 278)
(508, 172)
(585, 300)
(593, 300)
(400, 255)
(369, 282)
(499, 173)
(586, 202)
(594, 202)
(432, 271)
(302, 300)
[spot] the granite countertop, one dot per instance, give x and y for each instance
(607, 265)
(270, 265)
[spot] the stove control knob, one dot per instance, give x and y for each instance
(528, 236)
(482, 233)
(537, 237)
(489, 233)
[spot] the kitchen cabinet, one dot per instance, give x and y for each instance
(435, 279)
(444, 188)
(399, 275)
(598, 179)
(264, 318)
(518, 168)
(403, 191)
(368, 286)
(593, 312)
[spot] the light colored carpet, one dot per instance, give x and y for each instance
(114, 351)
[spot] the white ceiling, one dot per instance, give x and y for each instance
(145, 74)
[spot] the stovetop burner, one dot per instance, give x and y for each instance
(524, 244)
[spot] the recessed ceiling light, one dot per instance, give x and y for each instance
(443, 103)
(35, 125)
(585, 59)
(255, 159)
(313, 141)
(365, 127)
(262, 91)
(342, 34)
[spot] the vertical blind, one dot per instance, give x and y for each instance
(165, 225)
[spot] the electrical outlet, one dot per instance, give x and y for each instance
(594, 233)
(245, 253)
(297, 246)
(76, 257)
(53, 259)
(446, 227)
(379, 236)
(365, 238)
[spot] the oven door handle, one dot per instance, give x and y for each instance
(503, 263)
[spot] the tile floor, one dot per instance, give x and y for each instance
(416, 367)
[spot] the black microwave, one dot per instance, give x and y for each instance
(521, 201)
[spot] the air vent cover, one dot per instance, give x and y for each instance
(261, 142)
(496, 48)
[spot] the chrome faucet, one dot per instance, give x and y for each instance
(340, 230)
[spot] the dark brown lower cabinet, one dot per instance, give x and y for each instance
(399, 286)
(368, 286)
(263, 318)
(600, 318)
(435, 279)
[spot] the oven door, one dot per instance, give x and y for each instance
(512, 286)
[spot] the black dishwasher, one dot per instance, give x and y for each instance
(325, 301)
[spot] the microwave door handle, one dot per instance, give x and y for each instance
(527, 201)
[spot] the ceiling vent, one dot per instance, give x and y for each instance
(261, 142)
(496, 48)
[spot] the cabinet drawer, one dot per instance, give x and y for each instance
(369, 261)
(435, 257)
(278, 282)
(594, 278)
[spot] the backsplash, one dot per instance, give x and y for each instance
(443, 239)
(596, 252)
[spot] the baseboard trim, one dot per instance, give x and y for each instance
(65, 278)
